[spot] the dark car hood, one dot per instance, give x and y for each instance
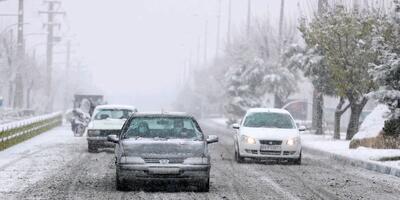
(152, 148)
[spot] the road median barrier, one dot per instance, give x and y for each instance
(19, 131)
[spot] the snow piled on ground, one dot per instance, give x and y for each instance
(26, 163)
(373, 123)
(341, 147)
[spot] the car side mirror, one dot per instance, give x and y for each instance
(302, 128)
(235, 126)
(212, 139)
(113, 138)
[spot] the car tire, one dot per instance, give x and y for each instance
(238, 158)
(204, 185)
(297, 161)
(92, 148)
(120, 184)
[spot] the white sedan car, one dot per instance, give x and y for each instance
(106, 120)
(267, 133)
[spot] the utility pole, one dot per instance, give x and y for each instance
(278, 102)
(248, 17)
(51, 13)
(228, 37)
(19, 90)
(218, 29)
(67, 69)
(205, 42)
(282, 14)
(197, 53)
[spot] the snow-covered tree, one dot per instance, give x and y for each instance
(256, 69)
(387, 71)
(345, 38)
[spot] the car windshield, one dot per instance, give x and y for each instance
(112, 114)
(269, 120)
(163, 127)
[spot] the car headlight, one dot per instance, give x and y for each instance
(131, 160)
(292, 141)
(196, 161)
(248, 139)
(93, 133)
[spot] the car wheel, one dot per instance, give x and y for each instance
(120, 184)
(204, 185)
(297, 161)
(92, 148)
(238, 158)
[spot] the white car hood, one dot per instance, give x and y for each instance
(269, 133)
(107, 124)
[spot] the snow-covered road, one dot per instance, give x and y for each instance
(56, 165)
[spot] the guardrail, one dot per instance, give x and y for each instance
(17, 132)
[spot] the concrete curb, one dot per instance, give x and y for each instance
(354, 162)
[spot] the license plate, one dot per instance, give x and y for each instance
(164, 171)
(265, 147)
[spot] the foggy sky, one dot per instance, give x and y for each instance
(136, 49)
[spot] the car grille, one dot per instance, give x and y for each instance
(275, 153)
(251, 151)
(171, 160)
(105, 133)
(271, 142)
(285, 153)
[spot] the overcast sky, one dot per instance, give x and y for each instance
(136, 49)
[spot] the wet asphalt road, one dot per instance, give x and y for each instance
(92, 176)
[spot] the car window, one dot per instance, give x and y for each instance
(162, 127)
(112, 114)
(269, 120)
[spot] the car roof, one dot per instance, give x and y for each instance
(164, 114)
(115, 106)
(272, 110)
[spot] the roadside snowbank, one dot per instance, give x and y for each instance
(373, 123)
(341, 147)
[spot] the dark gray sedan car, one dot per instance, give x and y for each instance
(162, 147)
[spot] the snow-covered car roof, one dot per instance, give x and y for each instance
(273, 110)
(168, 114)
(115, 106)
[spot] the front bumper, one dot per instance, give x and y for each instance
(100, 142)
(175, 172)
(284, 151)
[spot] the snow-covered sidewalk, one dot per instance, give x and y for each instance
(30, 161)
(325, 143)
